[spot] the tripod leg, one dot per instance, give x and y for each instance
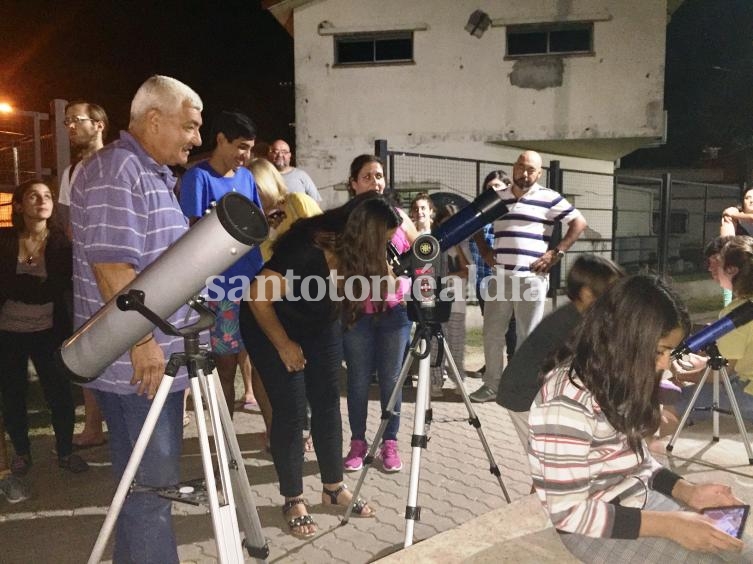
(474, 420)
(715, 406)
(689, 409)
(223, 518)
(738, 415)
(130, 470)
(247, 514)
(386, 415)
(418, 443)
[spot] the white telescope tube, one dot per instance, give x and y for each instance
(211, 246)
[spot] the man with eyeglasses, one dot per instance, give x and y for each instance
(295, 179)
(87, 126)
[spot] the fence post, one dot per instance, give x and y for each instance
(382, 152)
(555, 275)
(615, 216)
(62, 143)
(37, 147)
(664, 223)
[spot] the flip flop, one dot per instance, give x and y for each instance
(248, 406)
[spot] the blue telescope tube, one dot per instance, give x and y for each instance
(710, 334)
(487, 207)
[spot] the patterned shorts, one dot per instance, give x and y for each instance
(226, 333)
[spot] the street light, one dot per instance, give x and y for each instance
(37, 117)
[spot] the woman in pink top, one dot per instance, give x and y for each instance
(377, 340)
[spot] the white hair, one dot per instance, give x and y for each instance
(162, 93)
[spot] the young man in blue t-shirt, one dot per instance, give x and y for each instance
(201, 187)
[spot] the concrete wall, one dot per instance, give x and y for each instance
(461, 97)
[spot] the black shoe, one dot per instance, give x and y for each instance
(73, 463)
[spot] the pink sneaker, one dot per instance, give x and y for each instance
(354, 459)
(390, 457)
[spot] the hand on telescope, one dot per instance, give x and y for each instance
(148, 363)
(689, 367)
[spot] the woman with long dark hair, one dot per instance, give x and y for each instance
(376, 342)
(35, 318)
(291, 330)
(589, 461)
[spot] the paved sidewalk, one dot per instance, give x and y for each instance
(60, 522)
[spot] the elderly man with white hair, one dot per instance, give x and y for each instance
(124, 215)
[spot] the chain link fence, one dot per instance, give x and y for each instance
(26, 148)
(627, 220)
(26, 151)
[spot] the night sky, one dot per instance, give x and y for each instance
(235, 55)
(709, 84)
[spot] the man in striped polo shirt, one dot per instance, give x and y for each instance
(523, 259)
(124, 215)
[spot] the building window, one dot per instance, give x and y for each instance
(550, 39)
(374, 48)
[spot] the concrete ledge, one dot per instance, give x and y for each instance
(519, 532)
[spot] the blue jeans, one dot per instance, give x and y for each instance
(144, 532)
(376, 342)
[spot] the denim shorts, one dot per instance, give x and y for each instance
(226, 333)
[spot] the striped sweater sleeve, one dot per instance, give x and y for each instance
(564, 443)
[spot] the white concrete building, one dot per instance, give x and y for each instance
(581, 81)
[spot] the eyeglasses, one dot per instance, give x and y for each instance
(277, 152)
(276, 214)
(76, 119)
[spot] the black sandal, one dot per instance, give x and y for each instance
(358, 505)
(300, 521)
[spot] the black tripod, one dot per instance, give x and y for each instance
(420, 348)
(716, 365)
(226, 513)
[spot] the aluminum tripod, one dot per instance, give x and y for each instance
(716, 365)
(420, 348)
(226, 513)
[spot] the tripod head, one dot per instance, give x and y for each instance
(426, 265)
(707, 336)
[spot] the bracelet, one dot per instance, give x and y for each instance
(151, 338)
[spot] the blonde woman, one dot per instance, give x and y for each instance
(282, 209)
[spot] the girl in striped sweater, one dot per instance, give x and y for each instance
(589, 461)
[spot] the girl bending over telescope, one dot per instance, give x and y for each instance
(589, 461)
(296, 343)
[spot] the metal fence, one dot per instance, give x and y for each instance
(26, 148)
(643, 224)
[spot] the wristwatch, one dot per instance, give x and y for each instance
(559, 252)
